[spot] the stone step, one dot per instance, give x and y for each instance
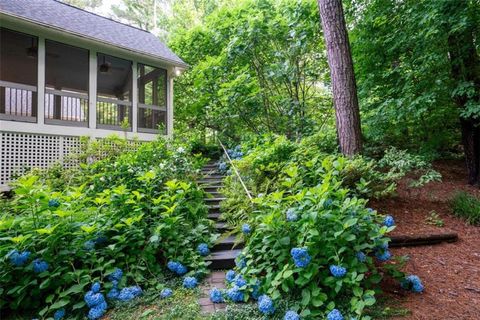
(224, 259)
(222, 227)
(213, 177)
(227, 244)
(212, 188)
(214, 200)
(213, 182)
(214, 208)
(215, 194)
(214, 216)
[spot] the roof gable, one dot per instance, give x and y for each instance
(80, 22)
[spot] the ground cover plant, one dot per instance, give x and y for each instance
(118, 224)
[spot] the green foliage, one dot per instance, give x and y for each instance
(400, 162)
(404, 71)
(327, 194)
(466, 206)
(434, 219)
(256, 67)
(135, 212)
(334, 227)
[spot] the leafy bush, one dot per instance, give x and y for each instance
(135, 211)
(467, 207)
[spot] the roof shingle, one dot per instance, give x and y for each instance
(77, 21)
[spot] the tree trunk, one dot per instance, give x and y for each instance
(465, 69)
(343, 78)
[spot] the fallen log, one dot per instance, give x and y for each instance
(422, 239)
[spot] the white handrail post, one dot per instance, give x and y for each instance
(134, 97)
(92, 90)
(41, 81)
(170, 76)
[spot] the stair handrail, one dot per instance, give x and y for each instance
(235, 169)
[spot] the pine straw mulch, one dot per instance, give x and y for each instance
(449, 271)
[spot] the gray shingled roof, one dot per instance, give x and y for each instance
(77, 21)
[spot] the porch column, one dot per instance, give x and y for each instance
(92, 91)
(41, 81)
(170, 77)
(134, 97)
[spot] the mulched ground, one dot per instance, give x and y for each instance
(449, 271)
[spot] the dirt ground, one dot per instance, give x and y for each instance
(449, 271)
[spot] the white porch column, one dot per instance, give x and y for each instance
(134, 97)
(41, 81)
(92, 91)
(171, 75)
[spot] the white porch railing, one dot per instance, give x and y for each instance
(18, 102)
(66, 108)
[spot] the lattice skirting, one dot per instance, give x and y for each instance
(20, 152)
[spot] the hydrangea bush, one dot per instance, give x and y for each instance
(312, 239)
(132, 212)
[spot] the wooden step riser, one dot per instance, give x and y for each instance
(222, 264)
(212, 189)
(226, 246)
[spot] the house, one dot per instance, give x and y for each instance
(67, 73)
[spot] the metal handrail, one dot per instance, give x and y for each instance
(235, 169)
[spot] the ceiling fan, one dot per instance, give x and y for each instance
(106, 66)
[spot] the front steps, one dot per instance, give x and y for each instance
(225, 251)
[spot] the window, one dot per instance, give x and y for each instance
(18, 76)
(66, 83)
(114, 92)
(152, 99)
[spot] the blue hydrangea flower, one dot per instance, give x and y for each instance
(115, 283)
(203, 249)
(240, 281)
(96, 312)
(176, 267)
(338, 271)
(53, 203)
(265, 305)
(246, 228)
(383, 255)
(291, 215)
(89, 245)
(291, 315)
(216, 296)
(59, 314)
(334, 315)
(389, 221)
(240, 261)
(190, 282)
(40, 266)
(113, 294)
(361, 256)
(165, 293)
(235, 294)
(222, 167)
(129, 293)
(412, 283)
(300, 256)
(230, 276)
(117, 274)
(95, 287)
(370, 210)
(18, 259)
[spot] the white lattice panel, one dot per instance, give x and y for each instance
(20, 152)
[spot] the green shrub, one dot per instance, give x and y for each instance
(467, 207)
(334, 228)
(134, 211)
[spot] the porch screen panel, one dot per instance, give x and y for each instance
(66, 84)
(18, 76)
(152, 98)
(114, 92)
